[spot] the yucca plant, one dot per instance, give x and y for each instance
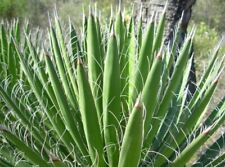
(107, 96)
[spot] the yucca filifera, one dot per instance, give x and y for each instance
(109, 96)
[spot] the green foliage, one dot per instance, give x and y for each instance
(37, 11)
(205, 38)
(107, 97)
(210, 12)
(13, 8)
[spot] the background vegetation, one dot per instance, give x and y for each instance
(105, 100)
(207, 16)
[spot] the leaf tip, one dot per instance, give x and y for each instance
(138, 105)
(3, 128)
(54, 158)
(79, 61)
(160, 54)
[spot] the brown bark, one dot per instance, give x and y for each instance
(174, 12)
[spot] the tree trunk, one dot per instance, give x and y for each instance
(173, 15)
